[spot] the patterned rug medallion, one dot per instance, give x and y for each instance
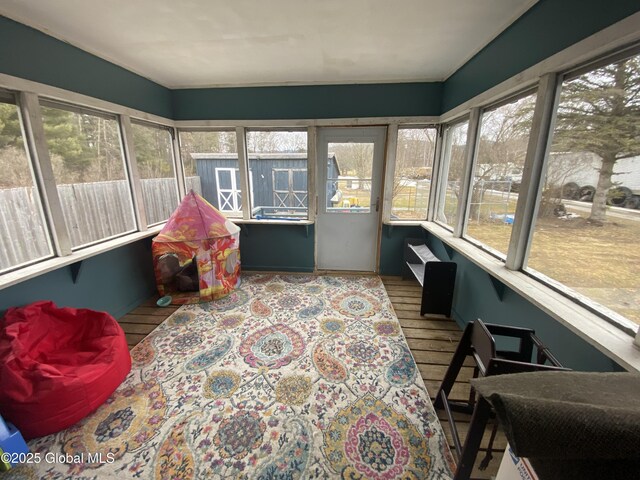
(289, 377)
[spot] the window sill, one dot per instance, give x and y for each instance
(596, 331)
(404, 223)
(12, 278)
(252, 221)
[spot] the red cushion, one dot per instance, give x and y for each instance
(57, 365)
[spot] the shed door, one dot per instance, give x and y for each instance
(349, 197)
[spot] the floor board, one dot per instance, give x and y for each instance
(432, 340)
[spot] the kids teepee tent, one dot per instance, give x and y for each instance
(196, 255)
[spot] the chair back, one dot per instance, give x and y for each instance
(484, 345)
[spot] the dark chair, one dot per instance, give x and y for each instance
(478, 342)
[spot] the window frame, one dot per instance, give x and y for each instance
(13, 98)
(441, 186)
(514, 97)
(81, 110)
(613, 318)
(390, 170)
(548, 88)
(28, 97)
(248, 181)
(176, 163)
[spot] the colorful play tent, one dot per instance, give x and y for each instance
(196, 255)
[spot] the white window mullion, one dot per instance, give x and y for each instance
(37, 143)
(435, 174)
(534, 171)
(443, 174)
(389, 171)
(243, 165)
(134, 176)
(465, 187)
(178, 165)
(312, 165)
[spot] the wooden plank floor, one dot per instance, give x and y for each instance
(432, 340)
(140, 322)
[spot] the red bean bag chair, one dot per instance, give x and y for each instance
(57, 365)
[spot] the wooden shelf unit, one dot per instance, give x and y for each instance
(437, 278)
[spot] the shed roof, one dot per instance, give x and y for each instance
(262, 156)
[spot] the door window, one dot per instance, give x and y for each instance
(348, 187)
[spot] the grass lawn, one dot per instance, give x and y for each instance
(600, 262)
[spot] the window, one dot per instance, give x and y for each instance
(23, 236)
(412, 182)
(154, 156)
(89, 170)
(455, 142)
(501, 150)
(588, 222)
(349, 170)
(278, 173)
(211, 168)
(290, 187)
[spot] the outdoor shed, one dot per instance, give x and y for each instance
(278, 182)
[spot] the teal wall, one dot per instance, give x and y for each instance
(317, 101)
(116, 281)
(392, 247)
(30, 54)
(287, 248)
(547, 28)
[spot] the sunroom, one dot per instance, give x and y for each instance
(402, 174)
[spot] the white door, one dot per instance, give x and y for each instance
(349, 197)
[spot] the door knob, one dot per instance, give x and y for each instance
(377, 204)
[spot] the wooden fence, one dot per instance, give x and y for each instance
(93, 211)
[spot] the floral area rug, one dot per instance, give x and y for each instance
(288, 377)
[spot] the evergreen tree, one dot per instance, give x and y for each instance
(599, 112)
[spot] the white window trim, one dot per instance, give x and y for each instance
(393, 131)
(243, 161)
(176, 162)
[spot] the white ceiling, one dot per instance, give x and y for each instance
(201, 43)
